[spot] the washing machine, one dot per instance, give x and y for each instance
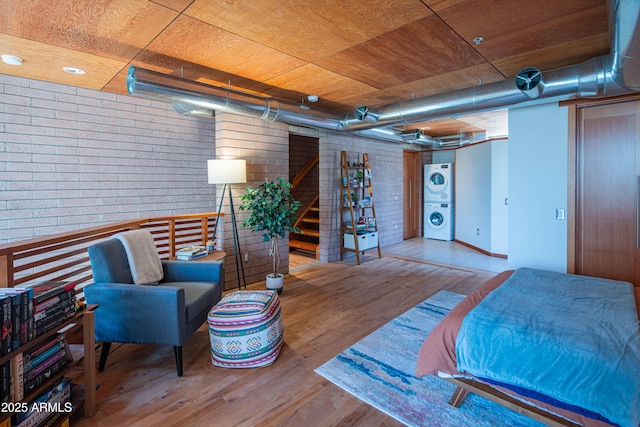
(438, 221)
(438, 182)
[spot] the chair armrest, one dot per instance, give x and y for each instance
(193, 271)
(144, 314)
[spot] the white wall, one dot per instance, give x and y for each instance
(499, 192)
(481, 188)
(537, 186)
(473, 195)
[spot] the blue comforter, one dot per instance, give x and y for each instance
(573, 338)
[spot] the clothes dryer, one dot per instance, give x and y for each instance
(438, 183)
(438, 221)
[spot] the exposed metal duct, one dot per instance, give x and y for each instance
(451, 104)
(190, 110)
(192, 98)
(391, 134)
(625, 43)
(614, 74)
(590, 79)
(183, 92)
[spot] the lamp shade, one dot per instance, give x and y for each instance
(227, 171)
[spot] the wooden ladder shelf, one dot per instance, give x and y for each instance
(359, 226)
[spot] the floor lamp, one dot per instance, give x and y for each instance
(227, 172)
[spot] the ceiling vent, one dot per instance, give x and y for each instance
(530, 82)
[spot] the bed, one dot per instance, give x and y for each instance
(563, 349)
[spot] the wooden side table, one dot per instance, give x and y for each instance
(214, 256)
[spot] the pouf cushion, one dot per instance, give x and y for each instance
(246, 329)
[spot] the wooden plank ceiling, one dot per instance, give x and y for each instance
(347, 52)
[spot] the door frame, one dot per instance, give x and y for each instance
(412, 201)
(573, 107)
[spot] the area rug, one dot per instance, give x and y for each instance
(380, 368)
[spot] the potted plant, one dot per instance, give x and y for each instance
(272, 211)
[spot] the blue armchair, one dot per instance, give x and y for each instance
(166, 313)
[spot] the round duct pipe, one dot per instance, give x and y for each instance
(411, 135)
(163, 87)
(530, 82)
(625, 42)
(457, 103)
(363, 114)
(190, 110)
(614, 74)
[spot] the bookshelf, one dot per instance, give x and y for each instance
(359, 225)
(83, 396)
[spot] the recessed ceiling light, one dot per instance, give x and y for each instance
(73, 70)
(11, 60)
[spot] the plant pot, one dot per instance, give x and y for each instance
(275, 283)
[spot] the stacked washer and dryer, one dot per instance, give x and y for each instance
(438, 201)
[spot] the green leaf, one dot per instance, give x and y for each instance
(272, 211)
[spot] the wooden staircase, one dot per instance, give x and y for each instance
(308, 222)
(308, 239)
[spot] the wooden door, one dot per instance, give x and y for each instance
(608, 184)
(411, 211)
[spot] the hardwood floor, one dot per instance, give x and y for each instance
(326, 308)
(447, 252)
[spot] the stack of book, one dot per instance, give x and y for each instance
(49, 408)
(28, 311)
(33, 367)
(16, 318)
(191, 252)
(53, 303)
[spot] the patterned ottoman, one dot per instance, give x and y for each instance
(246, 329)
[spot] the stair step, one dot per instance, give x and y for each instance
(311, 220)
(314, 209)
(307, 246)
(308, 232)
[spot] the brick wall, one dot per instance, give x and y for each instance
(386, 167)
(71, 158)
(265, 146)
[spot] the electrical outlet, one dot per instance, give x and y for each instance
(560, 214)
(246, 256)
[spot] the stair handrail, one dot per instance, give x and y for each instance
(305, 170)
(305, 211)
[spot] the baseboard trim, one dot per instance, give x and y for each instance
(475, 248)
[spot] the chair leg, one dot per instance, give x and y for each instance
(177, 350)
(103, 355)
